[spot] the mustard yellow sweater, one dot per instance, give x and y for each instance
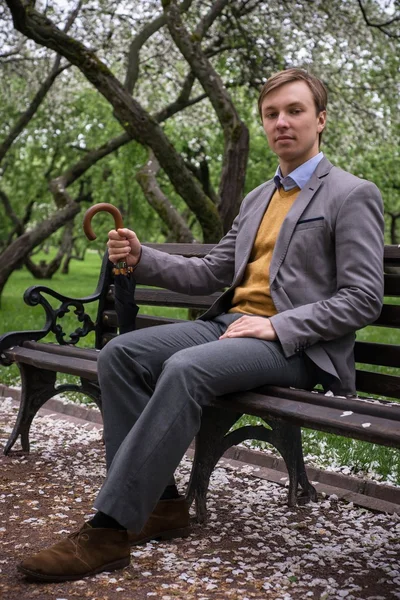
(253, 296)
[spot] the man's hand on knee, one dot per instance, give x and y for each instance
(249, 326)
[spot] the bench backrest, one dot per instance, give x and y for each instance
(383, 354)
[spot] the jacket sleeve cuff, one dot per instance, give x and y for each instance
(290, 345)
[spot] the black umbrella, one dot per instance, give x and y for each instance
(125, 283)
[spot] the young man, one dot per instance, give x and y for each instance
(303, 267)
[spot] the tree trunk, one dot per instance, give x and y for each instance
(45, 270)
(233, 175)
(19, 248)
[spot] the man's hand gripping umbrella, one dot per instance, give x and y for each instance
(125, 284)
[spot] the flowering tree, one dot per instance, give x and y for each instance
(168, 69)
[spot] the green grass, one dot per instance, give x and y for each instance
(321, 449)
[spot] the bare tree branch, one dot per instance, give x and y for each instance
(12, 52)
(176, 106)
(19, 224)
(181, 102)
(20, 227)
(90, 158)
(206, 22)
(10, 211)
(393, 226)
(146, 177)
(381, 26)
(32, 108)
(72, 16)
(62, 199)
(132, 72)
(53, 159)
(203, 175)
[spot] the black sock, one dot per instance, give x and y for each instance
(103, 521)
(170, 492)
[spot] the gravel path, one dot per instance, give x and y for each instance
(253, 546)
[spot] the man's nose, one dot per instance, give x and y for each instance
(281, 120)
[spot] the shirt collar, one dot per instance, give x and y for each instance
(298, 177)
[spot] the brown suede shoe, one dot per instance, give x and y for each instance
(169, 519)
(83, 553)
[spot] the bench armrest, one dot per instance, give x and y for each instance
(34, 296)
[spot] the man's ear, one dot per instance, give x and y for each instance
(321, 121)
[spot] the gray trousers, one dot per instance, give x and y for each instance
(154, 383)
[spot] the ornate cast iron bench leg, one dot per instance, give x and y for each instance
(38, 385)
(213, 440)
(215, 423)
(288, 443)
(287, 440)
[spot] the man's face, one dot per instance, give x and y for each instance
(291, 124)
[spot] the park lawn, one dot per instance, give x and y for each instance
(325, 450)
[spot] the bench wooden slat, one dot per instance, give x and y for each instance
(372, 353)
(366, 406)
(62, 364)
(110, 318)
(381, 431)
(156, 297)
(392, 284)
(73, 351)
(391, 254)
(389, 317)
(378, 383)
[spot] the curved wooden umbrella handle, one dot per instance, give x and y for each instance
(101, 206)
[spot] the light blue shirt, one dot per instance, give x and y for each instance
(298, 177)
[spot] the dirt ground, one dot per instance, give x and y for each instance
(252, 547)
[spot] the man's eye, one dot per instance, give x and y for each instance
(270, 115)
(296, 111)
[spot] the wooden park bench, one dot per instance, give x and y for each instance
(285, 410)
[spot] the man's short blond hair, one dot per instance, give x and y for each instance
(317, 88)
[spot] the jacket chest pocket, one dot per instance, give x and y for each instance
(312, 248)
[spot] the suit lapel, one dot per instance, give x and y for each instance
(254, 220)
(293, 216)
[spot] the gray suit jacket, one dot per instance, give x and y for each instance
(326, 274)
